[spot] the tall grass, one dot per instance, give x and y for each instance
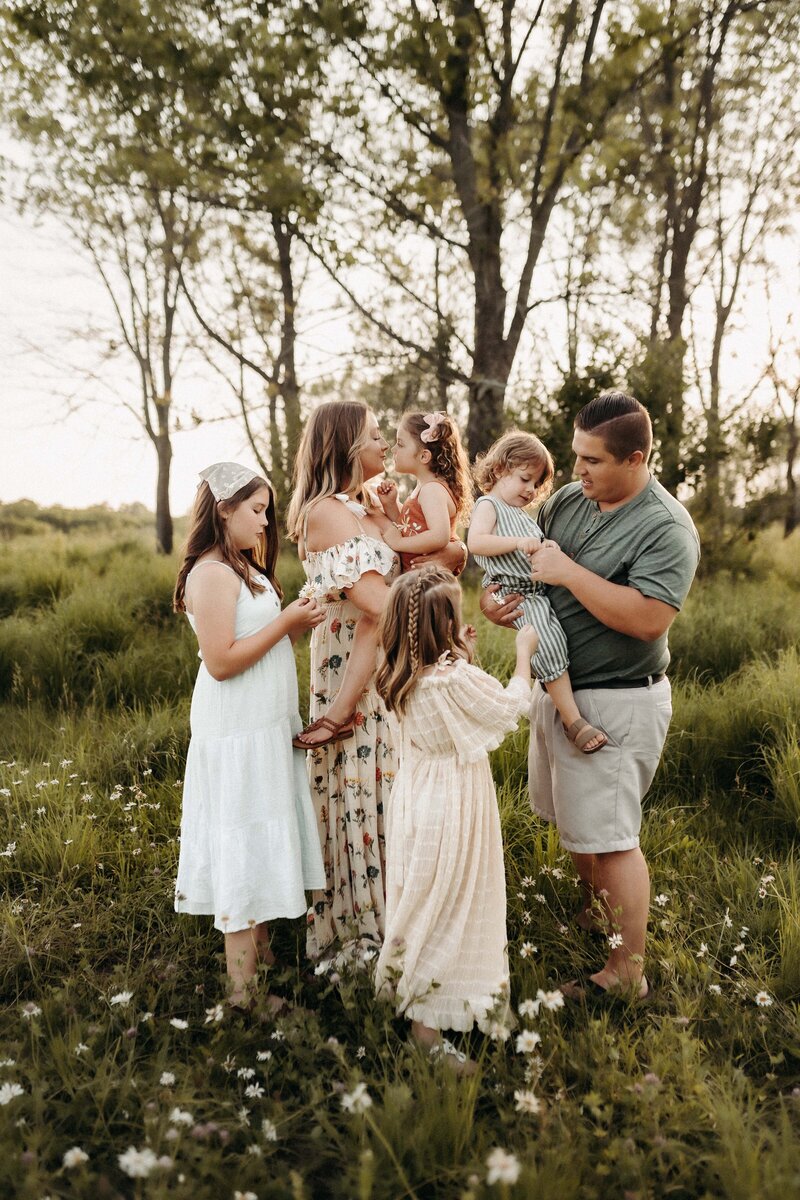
(694, 1094)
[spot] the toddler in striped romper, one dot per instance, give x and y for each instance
(514, 472)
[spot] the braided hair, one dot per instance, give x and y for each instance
(421, 621)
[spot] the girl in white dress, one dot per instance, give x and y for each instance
(444, 957)
(249, 847)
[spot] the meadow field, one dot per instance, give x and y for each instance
(123, 1075)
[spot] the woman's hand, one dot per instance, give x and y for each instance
(499, 611)
(393, 538)
(303, 614)
(453, 557)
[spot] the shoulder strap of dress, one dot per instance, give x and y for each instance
(210, 562)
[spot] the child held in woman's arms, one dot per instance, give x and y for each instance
(428, 446)
(514, 472)
(249, 845)
(444, 959)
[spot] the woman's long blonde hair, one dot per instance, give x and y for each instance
(421, 620)
(328, 460)
(208, 529)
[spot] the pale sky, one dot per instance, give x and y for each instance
(97, 453)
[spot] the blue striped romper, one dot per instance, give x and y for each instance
(513, 573)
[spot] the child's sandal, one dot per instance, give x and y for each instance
(336, 733)
(580, 732)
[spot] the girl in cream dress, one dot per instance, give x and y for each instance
(444, 958)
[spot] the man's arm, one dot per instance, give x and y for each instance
(618, 606)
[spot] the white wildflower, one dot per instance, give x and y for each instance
(702, 952)
(264, 1055)
(245, 1073)
(9, 1092)
(357, 1101)
(552, 1001)
(121, 998)
(81, 1048)
(245, 1196)
(527, 1041)
(178, 1023)
(179, 1116)
(8, 1062)
(30, 1010)
(254, 1091)
(269, 1130)
(74, 1157)
(763, 999)
(528, 1008)
(715, 989)
(503, 1167)
(527, 949)
(615, 941)
(526, 1102)
(214, 1014)
(138, 1164)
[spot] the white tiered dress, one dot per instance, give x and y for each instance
(249, 846)
(445, 956)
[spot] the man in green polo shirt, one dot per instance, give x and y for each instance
(619, 557)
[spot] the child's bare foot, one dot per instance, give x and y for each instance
(439, 1047)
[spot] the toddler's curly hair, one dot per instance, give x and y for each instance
(515, 449)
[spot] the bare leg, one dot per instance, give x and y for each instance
(243, 952)
(357, 674)
(429, 1038)
(592, 914)
(560, 692)
(621, 880)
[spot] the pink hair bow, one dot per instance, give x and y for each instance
(433, 421)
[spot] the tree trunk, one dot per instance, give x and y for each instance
(164, 533)
(287, 368)
(792, 517)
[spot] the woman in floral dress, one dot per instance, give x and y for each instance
(337, 523)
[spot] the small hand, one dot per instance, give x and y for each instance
(550, 564)
(529, 545)
(499, 611)
(527, 640)
(305, 613)
(469, 634)
(387, 488)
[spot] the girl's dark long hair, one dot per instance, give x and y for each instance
(208, 530)
(448, 457)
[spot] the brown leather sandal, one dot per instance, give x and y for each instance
(580, 732)
(337, 733)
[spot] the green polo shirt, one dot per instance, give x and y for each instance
(649, 544)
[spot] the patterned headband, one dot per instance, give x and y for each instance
(226, 478)
(434, 421)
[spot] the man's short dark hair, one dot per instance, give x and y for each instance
(620, 421)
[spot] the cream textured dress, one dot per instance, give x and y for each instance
(445, 957)
(249, 848)
(350, 780)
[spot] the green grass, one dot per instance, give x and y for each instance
(696, 1094)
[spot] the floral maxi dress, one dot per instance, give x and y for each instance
(350, 780)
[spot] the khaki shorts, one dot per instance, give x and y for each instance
(596, 799)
